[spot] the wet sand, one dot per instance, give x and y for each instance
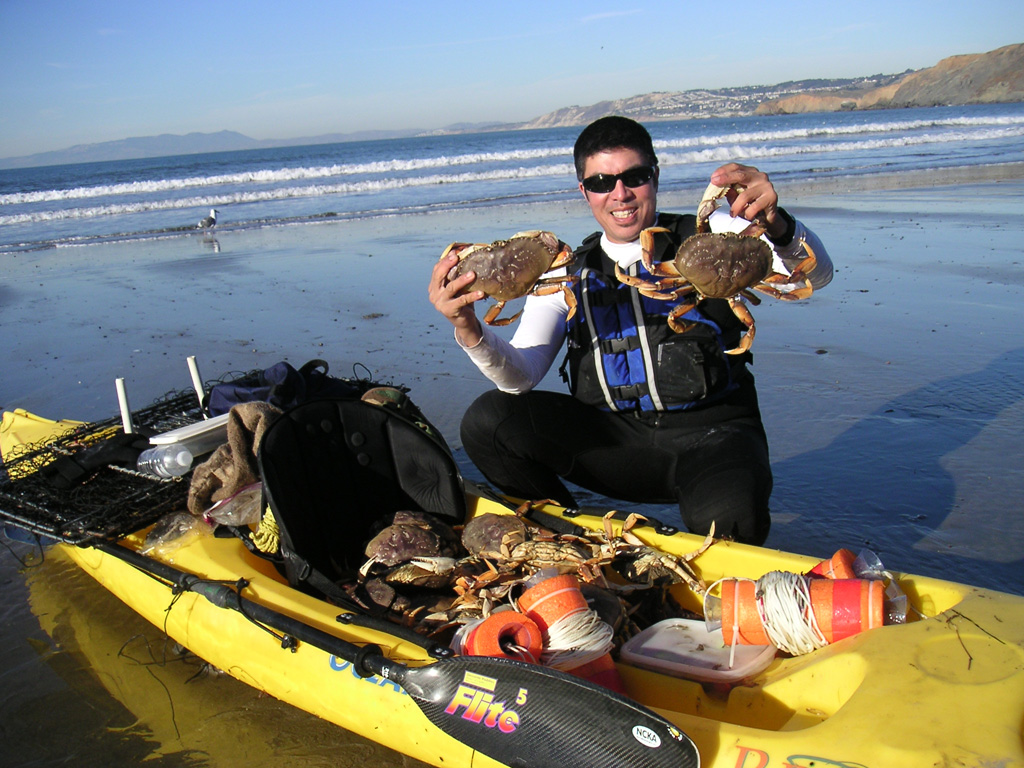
(892, 400)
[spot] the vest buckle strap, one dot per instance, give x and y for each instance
(615, 346)
(630, 391)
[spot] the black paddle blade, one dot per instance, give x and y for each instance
(536, 717)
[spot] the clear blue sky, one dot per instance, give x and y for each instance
(82, 72)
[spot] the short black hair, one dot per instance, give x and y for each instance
(612, 132)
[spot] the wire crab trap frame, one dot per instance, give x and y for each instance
(112, 499)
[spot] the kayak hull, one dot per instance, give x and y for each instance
(946, 688)
(305, 676)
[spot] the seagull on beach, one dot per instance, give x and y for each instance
(210, 221)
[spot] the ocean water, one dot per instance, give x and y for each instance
(60, 206)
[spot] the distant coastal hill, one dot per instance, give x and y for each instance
(983, 78)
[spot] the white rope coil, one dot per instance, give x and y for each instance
(784, 605)
(577, 639)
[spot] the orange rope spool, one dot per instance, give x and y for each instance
(553, 599)
(841, 607)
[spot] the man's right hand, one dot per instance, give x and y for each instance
(448, 299)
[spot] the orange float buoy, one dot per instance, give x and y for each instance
(507, 634)
(553, 599)
(841, 608)
(839, 566)
(741, 623)
(844, 607)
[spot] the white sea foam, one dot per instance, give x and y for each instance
(51, 207)
(745, 146)
(750, 151)
(900, 127)
(905, 131)
(280, 175)
(283, 193)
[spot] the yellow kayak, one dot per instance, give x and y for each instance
(119, 668)
(944, 688)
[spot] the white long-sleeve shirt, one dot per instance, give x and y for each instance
(519, 365)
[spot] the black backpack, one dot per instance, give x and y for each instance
(333, 468)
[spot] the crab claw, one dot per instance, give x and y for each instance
(364, 571)
(456, 247)
(709, 204)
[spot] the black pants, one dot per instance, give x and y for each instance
(525, 444)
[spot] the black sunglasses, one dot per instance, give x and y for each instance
(603, 183)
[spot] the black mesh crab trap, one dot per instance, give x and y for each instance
(107, 499)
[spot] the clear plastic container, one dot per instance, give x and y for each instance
(686, 648)
(712, 612)
(171, 460)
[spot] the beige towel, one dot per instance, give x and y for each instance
(232, 466)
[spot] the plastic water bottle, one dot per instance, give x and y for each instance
(165, 460)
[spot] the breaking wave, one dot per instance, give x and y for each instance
(708, 146)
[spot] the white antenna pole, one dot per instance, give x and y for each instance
(122, 401)
(197, 381)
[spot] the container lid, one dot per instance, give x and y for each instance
(685, 648)
(199, 438)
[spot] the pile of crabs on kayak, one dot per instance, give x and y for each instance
(505, 585)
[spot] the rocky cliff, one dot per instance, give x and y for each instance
(982, 78)
(721, 102)
(997, 76)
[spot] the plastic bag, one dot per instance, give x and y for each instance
(244, 508)
(172, 532)
(869, 566)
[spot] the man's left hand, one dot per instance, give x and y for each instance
(757, 202)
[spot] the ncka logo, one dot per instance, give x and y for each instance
(646, 736)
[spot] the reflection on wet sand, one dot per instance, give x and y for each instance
(887, 476)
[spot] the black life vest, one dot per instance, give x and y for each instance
(622, 355)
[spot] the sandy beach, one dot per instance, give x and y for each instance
(891, 398)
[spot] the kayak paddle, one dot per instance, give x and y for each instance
(523, 715)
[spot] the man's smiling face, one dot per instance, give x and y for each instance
(625, 211)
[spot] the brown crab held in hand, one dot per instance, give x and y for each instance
(509, 269)
(719, 266)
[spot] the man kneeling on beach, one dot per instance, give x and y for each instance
(654, 416)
